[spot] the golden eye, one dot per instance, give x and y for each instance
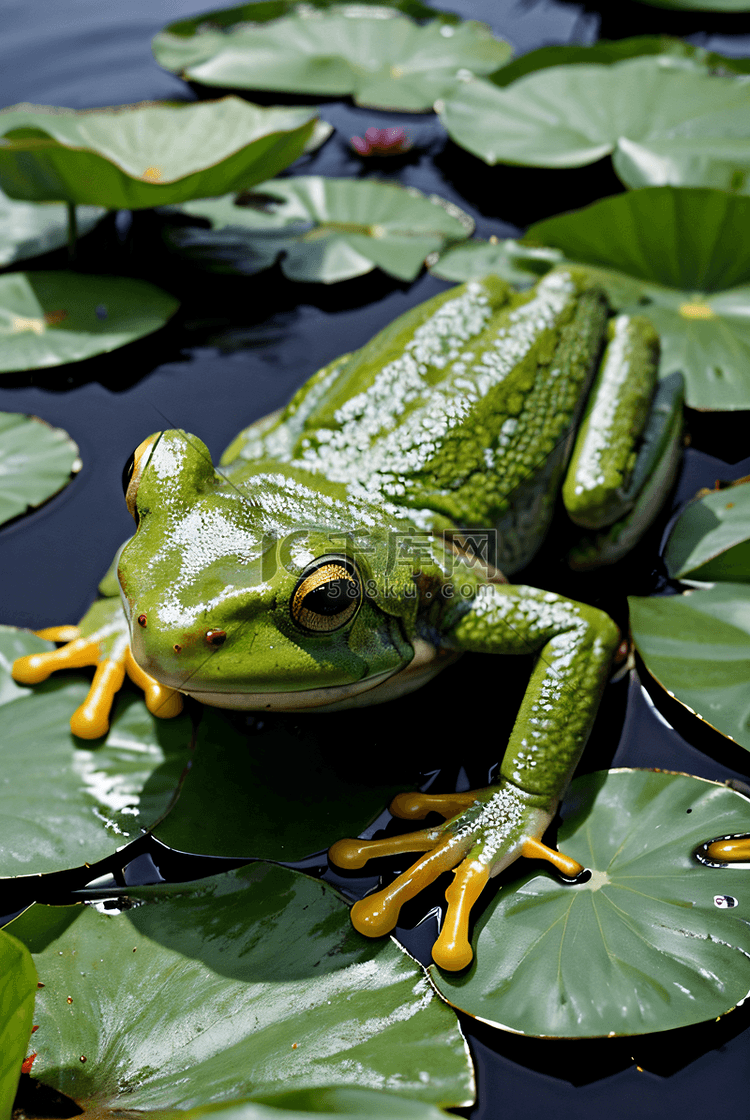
(132, 471)
(327, 596)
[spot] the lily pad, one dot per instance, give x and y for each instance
(36, 461)
(51, 318)
(711, 539)
(324, 230)
(671, 52)
(137, 156)
(517, 263)
(30, 228)
(17, 991)
(678, 256)
(272, 793)
(63, 803)
(325, 1104)
(374, 54)
(701, 5)
(643, 944)
(242, 986)
(697, 646)
(661, 124)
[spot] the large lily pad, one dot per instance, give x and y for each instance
(274, 793)
(51, 318)
(697, 646)
(268, 793)
(378, 56)
(325, 1104)
(662, 124)
(30, 228)
(680, 257)
(647, 943)
(324, 230)
(701, 5)
(36, 461)
(63, 802)
(138, 156)
(242, 986)
(17, 991)
(711, 539)
(670, 51)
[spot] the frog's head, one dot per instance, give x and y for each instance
(256, 594)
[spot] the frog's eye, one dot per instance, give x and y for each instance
(132, 471)
(327, 595)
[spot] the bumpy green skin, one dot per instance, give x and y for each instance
(597, 487)
(459, 415)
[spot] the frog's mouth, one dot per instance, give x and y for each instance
(427, 661)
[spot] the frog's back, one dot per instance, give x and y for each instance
(456, 412)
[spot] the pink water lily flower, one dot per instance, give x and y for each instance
(381, 142)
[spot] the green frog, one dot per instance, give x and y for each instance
(352, 545)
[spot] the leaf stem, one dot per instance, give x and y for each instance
(72, 232)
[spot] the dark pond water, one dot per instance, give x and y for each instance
(236, 351)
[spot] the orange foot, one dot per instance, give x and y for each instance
(485, 831)
(112, 659)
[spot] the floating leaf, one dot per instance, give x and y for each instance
(17, 990)
(701, 5)
(325, 1104)
(269, 793)
(50, 318)
(36, 461)
(138, 156)
(662, 124)
(640, 946)
(62, 803)
(517, 263)
(272, 794)
(241, 986)
(697, 646)
(679, 256)
(324, 230)
(711, 539)
(671, 52)
(30, 228)
(379, 57)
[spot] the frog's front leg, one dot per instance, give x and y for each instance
(489, 829)
(101, 639)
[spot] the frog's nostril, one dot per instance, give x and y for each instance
(142, 620)
(216, 638)
(177, 648)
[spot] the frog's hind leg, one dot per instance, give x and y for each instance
(628, 446)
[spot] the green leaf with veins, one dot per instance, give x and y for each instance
(137, 156)
(36, 461)
(643, 945)
(378, 56)
(17, 991)
(30, 228)
(711, 538)
(323, 230)
(242, 986)
(53, 318)
(661, 124)
(697, 646)
(670, 52)
(680, 257)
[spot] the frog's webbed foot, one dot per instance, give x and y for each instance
(101, 640)
(486, 830)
